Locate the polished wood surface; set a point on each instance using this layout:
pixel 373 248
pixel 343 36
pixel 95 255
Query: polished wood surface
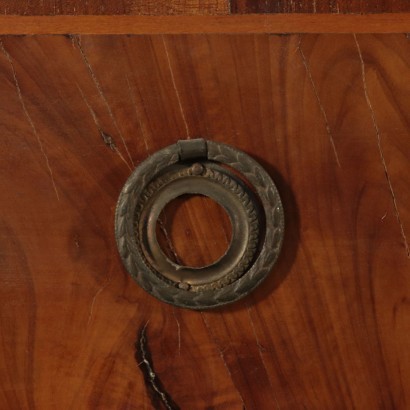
pixel 112 7
pixel 327 115
pixel 190 7
pixel 319 6
pixel 232 24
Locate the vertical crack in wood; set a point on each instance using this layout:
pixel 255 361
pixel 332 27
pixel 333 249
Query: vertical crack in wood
pixel 158 394
pixel 97 85
pixel 221 355
pixel 108 140
pixel 261 349
pixel 179 330
pixel 168 241
pixel 90 315
pixel 322 109
pixel 29 119
pixel 379 146
pixel 175 88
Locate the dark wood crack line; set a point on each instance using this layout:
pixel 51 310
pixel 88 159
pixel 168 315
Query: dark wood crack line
pixel 160 398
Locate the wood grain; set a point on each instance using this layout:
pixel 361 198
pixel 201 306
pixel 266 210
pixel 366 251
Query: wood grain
pixel 191 7
pixel 112 7
pixel 325 114
pixel 233 24
pixel 320 6
pixel 173 225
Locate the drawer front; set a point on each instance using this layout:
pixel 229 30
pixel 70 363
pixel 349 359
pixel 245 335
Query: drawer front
pixel 326 115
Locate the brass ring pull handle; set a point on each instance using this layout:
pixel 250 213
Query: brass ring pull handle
pixel 231 178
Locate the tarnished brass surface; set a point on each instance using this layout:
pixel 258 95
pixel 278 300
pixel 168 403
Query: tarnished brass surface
pixel 238 184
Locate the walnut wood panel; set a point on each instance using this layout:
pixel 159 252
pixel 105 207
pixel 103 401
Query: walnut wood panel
pixel 163 7
pixel 319 6
pixel 326 115
pixel 200 24
pixel 112 7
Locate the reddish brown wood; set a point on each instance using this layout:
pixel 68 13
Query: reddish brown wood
pixel 112 7
pixel 234 24
pixel 163 7
pixel 173 225
pixel 320 6
pixel 326 115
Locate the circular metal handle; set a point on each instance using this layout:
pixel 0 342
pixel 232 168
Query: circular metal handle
pixel 231 178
